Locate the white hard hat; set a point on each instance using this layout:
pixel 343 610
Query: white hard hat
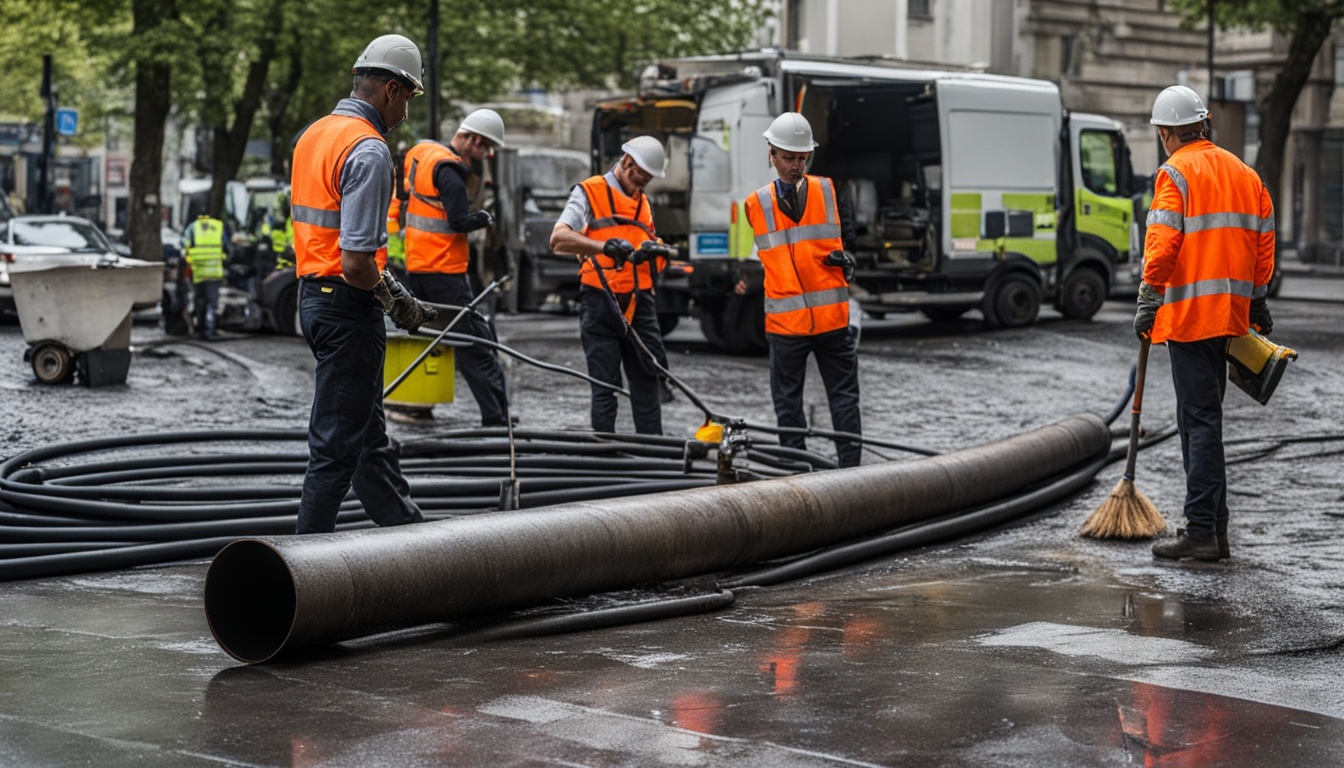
pixel 485 122
pixel 392 54
pixel 647 152
pixel 791 133
pixel 1178 105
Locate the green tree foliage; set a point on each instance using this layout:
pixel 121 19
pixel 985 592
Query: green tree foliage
pixel 1306 24
pixel 254 68
pixel 31 28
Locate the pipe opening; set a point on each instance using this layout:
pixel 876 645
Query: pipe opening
pixel 250 600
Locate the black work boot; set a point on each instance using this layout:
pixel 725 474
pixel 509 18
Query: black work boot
pixel 1224 551
pixel 1184 545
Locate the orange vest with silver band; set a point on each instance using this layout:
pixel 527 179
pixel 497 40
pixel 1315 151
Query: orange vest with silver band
pixel 431 243
pixel 616 215
pixel 1210 244
pixel 315 203
pixel 803 296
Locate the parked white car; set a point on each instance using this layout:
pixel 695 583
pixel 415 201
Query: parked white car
pixel 58 240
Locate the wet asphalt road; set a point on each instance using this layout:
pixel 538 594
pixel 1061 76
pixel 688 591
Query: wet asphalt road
pixel 1024 646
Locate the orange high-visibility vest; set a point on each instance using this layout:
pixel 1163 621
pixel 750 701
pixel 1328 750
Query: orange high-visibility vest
pixel 1210 244
pixel 803 296
pixel 394 216
pixel 617 215
pixel 431 243
pixel 315 204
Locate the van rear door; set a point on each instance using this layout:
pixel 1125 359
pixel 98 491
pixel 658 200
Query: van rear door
pixel 728 162
pixel 1000 154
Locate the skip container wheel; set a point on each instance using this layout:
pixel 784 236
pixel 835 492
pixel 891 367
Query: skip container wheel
pixel 52 363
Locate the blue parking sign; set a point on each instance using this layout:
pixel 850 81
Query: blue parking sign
pixel 67 121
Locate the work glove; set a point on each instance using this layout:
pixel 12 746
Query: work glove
pixel 478 220
pixel 406 311
pixel 619 250
pixel 650 250
pixel 1260 319
pixel 1149 301
pixel 842 260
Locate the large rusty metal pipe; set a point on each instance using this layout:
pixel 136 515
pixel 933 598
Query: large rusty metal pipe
pixel 267 596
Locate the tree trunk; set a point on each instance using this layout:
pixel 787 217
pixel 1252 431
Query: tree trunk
pixel 1276 108
pixel 230 144
pixel 152 103
pixel 277 104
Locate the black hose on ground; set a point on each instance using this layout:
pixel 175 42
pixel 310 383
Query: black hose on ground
pixel 600 618
pixel 146 499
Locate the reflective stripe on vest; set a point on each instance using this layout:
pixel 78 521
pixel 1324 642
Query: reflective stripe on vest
pixel 431 243
pixel 206 252
pixel 617 215
pixel 807 300
pixel 1210 287
pixel 803 296
pixel 319 160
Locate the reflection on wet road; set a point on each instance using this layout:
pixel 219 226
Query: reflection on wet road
pixel 1025 646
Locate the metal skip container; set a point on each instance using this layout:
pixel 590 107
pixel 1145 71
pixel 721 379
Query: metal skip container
pixel 268 596
pixel 77 317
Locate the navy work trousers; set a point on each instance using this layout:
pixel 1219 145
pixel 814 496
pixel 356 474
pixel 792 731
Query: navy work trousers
pixel 608 349
pixel 347 433
pixel 479 365
pixel 838 362
pixel 1199 372
pixel 205 297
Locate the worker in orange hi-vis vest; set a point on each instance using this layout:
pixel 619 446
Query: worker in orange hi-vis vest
pixel 438 255
pixel 342 185
pixel 800 229
pixel 607 224
pixel 1208 259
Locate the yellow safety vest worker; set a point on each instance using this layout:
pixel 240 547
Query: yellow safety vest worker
pixel 206 252
pixel 803 296
pixel 431 244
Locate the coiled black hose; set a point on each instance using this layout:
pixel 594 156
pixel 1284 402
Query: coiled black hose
pixel 154 498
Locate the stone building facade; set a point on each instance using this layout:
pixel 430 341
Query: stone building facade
pixel 1112 57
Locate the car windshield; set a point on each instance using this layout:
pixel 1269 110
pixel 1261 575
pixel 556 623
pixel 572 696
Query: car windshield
pixel 77 235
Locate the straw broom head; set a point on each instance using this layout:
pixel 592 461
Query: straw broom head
pixel 1125 514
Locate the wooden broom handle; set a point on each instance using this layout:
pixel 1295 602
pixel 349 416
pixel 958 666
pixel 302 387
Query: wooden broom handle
pixel 1140 371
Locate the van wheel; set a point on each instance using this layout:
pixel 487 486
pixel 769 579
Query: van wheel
pixel 1014 302
pixel 1082 295
pixel 745 327
pixel 736 324
pixel 668 321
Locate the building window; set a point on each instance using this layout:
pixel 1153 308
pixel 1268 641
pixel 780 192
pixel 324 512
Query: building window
pixel 919 9
pixel 794 21
pixel 1068 50
pixel 1339 66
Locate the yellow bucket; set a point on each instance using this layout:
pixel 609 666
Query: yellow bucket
pixel 432 380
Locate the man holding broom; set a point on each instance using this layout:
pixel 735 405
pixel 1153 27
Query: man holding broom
pixel 1208 258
